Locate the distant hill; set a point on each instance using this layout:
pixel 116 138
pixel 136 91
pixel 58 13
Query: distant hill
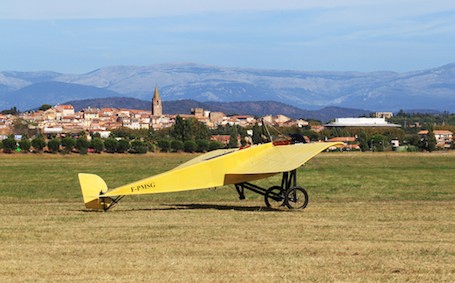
pixel 255 108
pixel 375 91
pixel 39 93
pixel 110 102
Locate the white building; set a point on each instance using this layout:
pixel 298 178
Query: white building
pixel 361 122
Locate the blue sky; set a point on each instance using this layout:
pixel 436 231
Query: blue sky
pixel 78 36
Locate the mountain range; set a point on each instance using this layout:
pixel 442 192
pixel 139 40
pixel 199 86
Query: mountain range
pixel 374 91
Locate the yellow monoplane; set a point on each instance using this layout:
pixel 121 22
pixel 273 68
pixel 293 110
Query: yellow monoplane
pixel 218 168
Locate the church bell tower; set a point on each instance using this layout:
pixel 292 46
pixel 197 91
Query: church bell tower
pixel 157 107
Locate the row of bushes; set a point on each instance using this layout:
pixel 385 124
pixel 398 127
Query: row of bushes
pixel 110 145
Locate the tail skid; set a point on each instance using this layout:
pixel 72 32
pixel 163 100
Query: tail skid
pixel 93 188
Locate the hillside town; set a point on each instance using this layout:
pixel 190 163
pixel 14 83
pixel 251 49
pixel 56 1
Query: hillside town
pixel 63 120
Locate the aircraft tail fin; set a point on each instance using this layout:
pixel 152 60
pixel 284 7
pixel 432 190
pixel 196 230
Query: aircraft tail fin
pixel 93 187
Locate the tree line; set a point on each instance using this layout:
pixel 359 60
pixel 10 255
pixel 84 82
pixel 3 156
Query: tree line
pixel 188 135
pixel 97 145
pixel 191 135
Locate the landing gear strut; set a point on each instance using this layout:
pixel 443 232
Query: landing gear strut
pixel 288 194
pixel 108 202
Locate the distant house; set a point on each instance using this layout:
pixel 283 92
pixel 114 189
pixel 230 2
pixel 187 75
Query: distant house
pixel 386 115
pixel 317 128
pixel 91 113
pixel 198 112
pixel 241 120
pixel 5 132
pixel 284 121
pixel 444 138
pixel 162 122
pixel 6 121
pixel 216 118
pixel 224 139
pixel 53 130
pixel 64 110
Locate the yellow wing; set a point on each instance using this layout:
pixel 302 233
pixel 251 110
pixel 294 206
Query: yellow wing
pixel 207 156
pixel 278 159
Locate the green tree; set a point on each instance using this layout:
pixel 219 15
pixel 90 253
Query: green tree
pixel 97 145
pixel 164 145
pixel 378 142
pixel 25 145
pixel 124 132
pixel 189 129
pixel 312 135
pixel 428 141
pixel 150 146
pixel 233 139
pixel 215 145
pixel 111 145
pixel 45 107
pixel 189 146
pixel 53 145
pixel 82 144
pixel 363 141
pixel 12 111
pixel 138 146
pixel 257 134
pixel 196 129
pixel 123 146
pixel 412 139
pixel 431 140
pixel 176 145
pixel 9 145
pixel 180 130
pixel 202 145
pixel 82 134
pixel 68 144
pixel 95 135
pixel 38 144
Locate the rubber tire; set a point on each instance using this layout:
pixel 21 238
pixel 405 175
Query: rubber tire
pixel 299 193
pixel 272 203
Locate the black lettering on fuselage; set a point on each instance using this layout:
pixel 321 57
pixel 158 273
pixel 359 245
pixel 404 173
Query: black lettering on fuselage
pixel 143 187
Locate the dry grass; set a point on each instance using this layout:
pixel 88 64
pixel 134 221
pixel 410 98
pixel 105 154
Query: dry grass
pixel 204 236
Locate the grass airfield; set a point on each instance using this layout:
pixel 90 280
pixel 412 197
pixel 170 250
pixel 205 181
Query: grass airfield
pixel 387 217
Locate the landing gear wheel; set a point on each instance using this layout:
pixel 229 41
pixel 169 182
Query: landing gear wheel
pixel 296 197
pixel 274 197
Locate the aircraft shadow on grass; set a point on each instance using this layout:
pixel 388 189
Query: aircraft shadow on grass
pixel 197 206
pixel 204 206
